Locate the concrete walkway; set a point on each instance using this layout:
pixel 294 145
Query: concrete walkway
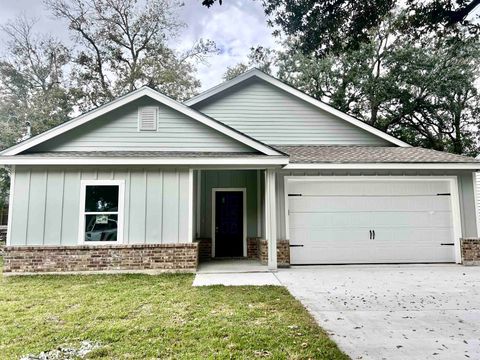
pixel 234 272
pixel 236 279
pixel 393 312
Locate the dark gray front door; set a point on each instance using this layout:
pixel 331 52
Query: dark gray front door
pixel 229 224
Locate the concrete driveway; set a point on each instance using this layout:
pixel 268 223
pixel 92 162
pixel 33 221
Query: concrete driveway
pixel 392 311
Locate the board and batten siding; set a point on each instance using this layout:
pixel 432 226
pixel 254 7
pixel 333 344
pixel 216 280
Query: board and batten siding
pixel 477 198
pixel 118 131
pixel 465 191
pixel 211 179
pixel 46 205
pixel 273 116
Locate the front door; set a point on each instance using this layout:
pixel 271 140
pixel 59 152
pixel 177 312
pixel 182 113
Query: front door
pixel 229 223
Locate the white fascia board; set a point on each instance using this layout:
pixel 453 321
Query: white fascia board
pixel 275 82
pixel 390 166
pixel 195 161
pixel 82 119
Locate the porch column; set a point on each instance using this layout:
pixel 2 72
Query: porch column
pixel 271 218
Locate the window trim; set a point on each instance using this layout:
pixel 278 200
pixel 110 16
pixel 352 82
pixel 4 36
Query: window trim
pixel 120 212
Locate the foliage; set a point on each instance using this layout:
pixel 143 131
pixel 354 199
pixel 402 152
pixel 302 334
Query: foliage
pixel 33 84
pixel 209 3
pixel 423 92
pixel 125 46
pixel 321 27
pixel 4 187
pixel 259 57
pixel 156 317
pixel 33 87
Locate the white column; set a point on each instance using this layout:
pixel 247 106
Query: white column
pixel 271 218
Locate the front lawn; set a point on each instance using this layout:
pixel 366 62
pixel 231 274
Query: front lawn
pixel 141 316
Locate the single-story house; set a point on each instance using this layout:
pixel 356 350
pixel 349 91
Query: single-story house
pixel 249 168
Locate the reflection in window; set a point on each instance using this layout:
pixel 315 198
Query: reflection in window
pixel 101 212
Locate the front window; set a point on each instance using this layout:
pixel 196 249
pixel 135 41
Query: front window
pixel 101 217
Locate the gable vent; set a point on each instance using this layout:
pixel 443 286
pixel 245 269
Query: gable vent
pixel 147 118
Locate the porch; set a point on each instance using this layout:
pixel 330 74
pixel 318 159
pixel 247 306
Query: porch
pixel 235 219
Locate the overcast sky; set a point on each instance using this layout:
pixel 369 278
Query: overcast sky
pixel 235 26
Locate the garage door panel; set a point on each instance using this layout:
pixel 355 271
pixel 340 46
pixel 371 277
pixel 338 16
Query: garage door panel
pixel 366 203
pixel 348 255
pixel 377 187
pixel 411 221
pixel 319 220
pixel 370 220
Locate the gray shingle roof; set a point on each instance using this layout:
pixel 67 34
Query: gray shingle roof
pixel 305 154
pixel 143 154
pixel 364 154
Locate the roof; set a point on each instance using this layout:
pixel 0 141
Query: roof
pixel 144 158
pixel 279 84
pixel 134 95
pixel 146 154
pixel 311 154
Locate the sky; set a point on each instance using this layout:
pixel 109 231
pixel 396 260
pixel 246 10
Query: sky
pixel 235 26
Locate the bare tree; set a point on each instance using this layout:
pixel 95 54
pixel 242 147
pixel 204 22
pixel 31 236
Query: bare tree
pixel 125 45
pixel 33 82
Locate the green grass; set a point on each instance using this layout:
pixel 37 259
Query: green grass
pixel 141 316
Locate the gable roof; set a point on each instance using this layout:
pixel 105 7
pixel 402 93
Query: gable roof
pixel 134 95
pixel 297 93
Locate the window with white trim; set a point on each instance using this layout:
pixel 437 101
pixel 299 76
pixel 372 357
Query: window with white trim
pixel 101 211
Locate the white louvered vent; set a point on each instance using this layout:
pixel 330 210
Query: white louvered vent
pixel 147 118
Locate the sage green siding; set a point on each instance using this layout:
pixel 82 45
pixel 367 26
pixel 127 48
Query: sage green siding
pixel 211 179
pixel 46 204
pixel 465 191
pixel 118 131
pixel 273 116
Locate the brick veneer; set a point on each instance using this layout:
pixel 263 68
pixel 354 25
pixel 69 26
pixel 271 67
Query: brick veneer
pixel 252 247
pixel 257 248
pixel 3 235
pixel 283 252
pixel 470 248
pixel 204 249
pixel 141 257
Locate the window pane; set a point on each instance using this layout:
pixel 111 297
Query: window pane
pixel 101 227
pixel 101 198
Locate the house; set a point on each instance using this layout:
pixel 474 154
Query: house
pixel 249 168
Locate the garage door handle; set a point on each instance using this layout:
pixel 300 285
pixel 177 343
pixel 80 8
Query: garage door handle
pixel 370 234
pixel 373 234
pixel 296 245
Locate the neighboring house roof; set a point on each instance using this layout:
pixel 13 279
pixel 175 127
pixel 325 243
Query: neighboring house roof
pixel 134 95
pixel 279 84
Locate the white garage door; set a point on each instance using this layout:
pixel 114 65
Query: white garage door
pixel 374 221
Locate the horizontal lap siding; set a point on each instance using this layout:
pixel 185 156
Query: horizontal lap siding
pixel 47 203
pixel 118 131
pixel 271 115
pixel 465 190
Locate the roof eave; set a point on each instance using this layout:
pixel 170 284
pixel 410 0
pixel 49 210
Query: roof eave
pixel 170 161
pixel 386 166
